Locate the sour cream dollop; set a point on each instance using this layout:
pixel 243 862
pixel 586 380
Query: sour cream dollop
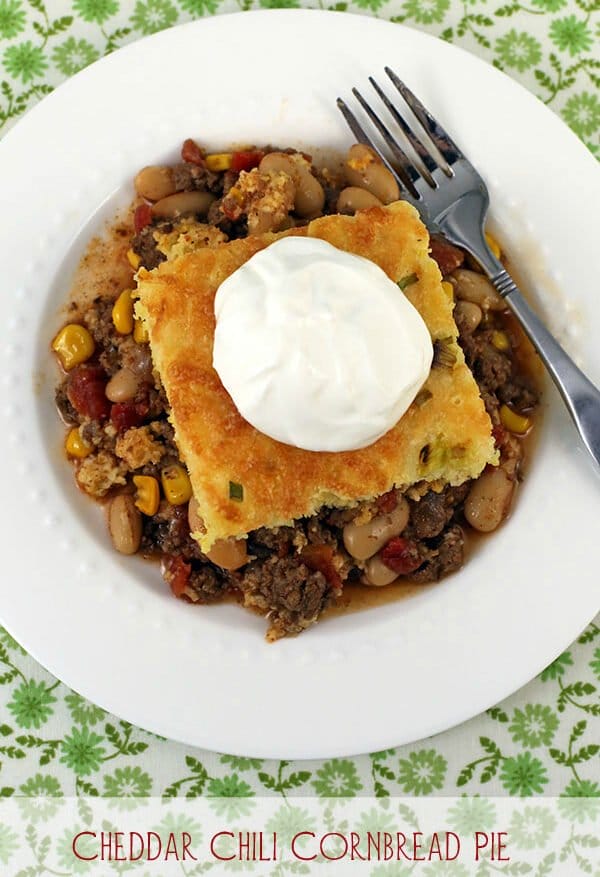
pixel 317 347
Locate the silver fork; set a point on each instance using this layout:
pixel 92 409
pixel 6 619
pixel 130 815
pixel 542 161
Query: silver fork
pixel 452 198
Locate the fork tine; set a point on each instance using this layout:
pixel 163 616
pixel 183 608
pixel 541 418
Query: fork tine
pixel 353 123
pixel 363 137
pixel 407 170
pixel 429 163
pixel 442 140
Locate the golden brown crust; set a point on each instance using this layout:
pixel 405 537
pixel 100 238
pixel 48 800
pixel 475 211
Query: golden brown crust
pixel 137 447
pixel 446 437
pixel 187 236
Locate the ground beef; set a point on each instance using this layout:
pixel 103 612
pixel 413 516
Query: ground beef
pixel 136 357
pixel 430 515
pixel 279 540
pixel 518 393
pixel 318 533
pixel 65 409
pixel 495 371
pixel 144 246
pixel 206 584
pixel 233 230
pixel 99 322
pixel 168 531
pixel 187 177
pixel 163 430
pixel 216 217
pixel 341 517
pixel 447 557
pixel 156 398
pixel 101 436
pixel 285 588
pixel 491 367
pixel 229 179
pixel 492 406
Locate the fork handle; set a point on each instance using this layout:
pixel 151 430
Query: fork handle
pixel 581 397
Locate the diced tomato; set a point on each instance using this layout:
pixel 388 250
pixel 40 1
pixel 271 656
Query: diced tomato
pixel 320 559
pixel 190 151
pixel 124 415
pixel 401 555
pixel 86 387
pixel 246 160
pixel 176 573
pixel 446 255
pixel 142 217
pixel 387 502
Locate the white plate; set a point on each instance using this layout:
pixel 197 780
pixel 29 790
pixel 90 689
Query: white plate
pixel 105 624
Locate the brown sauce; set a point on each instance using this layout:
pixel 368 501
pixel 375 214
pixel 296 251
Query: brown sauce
pixel 357 598
pixel 103 268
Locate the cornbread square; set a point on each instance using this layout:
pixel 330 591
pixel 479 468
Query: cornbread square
pixel 445 436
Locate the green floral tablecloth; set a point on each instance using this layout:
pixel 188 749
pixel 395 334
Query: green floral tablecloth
pixel 542 741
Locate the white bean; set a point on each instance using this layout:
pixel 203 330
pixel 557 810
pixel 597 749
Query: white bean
pixel 364 168
pixel 261 222
pixel 354 198
pixel 488 501
pixel 378 574
pixel 309 197
pixel 181 203
pixel 124 524
pixel 468 315
pixel 474 287
pixel 154 182
pixel 278 161
pixel 228 553
pixel 364 540
pixel 123 386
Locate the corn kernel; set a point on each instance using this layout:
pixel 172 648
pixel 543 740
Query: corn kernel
pixel 513 422
pixel 236 194
pixel 493 245
pixel 122 313
pixel 133 259
pixel 448 289
pixel 140 333
pixel 73 345
pixel 500 341
pixel 147 496
pixel 219 161
pixel 76 446
pixel 176 485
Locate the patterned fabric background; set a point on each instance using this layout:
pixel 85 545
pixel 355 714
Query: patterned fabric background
pixel 550 46
pixel 545 740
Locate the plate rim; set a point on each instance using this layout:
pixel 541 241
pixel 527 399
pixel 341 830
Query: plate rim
pixel 311 750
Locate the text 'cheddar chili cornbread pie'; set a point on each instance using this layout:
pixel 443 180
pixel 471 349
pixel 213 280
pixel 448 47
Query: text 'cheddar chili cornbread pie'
pixel 323 280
